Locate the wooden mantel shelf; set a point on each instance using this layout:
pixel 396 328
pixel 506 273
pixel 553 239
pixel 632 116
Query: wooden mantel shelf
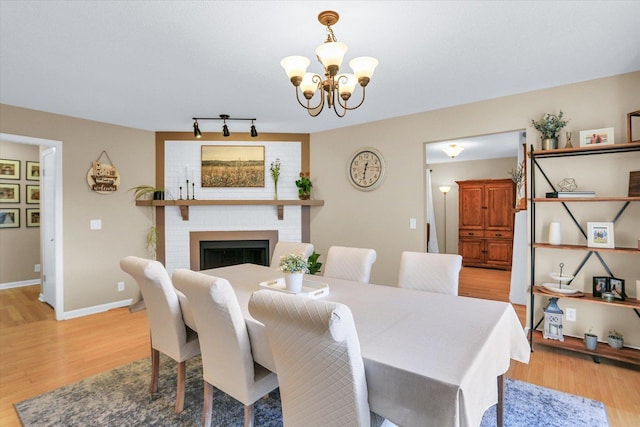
pixel 184 204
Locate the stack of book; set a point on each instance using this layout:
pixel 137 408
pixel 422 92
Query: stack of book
pixel 567 194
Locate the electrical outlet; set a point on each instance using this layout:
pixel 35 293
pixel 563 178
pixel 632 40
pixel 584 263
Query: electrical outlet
pixel 120 286
pixel 571 314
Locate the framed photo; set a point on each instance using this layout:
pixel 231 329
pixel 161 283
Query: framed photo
pixel 616 287
pixel 593 137
pixel 33 194
pixel 9 193
pixel 600 235
pixel 33 171
pixel 9 169
pixel 600 285
pixel 33 217
pixel 10 218
pixel 232 166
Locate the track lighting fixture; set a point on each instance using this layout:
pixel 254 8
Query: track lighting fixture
pixel 225 128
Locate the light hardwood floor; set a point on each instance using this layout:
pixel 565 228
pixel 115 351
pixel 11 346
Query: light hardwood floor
pixel 38 354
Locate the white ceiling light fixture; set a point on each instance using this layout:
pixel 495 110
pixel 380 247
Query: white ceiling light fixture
pixel 453 150
pixel 337 88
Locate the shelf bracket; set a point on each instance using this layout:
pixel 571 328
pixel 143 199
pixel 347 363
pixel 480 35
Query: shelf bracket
pixel 280 212
pixel 184 212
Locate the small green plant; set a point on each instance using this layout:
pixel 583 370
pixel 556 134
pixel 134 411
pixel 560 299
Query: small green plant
pixel 550 125
pixel 590 332
pixel 142 192
pixel 275 174
pixel 314 265
pixel 294 263
pixel 304 186
pixel 615 335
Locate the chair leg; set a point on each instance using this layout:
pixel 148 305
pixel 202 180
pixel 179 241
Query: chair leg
pixel 248 415
pixel 180 390
pixel 207 404
pixel 155 370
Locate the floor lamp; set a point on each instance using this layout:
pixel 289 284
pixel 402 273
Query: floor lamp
pixel 445 189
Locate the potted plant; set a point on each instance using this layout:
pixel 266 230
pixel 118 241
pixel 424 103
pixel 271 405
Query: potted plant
pixel 550 126
pixel 304 186
pixel 517 176
pixel 314 265
pixel 615 339
pixel 147 192
pixel 590 340
pixel 275 174
pixel 294 266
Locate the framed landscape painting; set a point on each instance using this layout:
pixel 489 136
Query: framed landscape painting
pixel 232 166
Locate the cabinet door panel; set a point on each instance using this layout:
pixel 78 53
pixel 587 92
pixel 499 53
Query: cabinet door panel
pixel 471 250
pixel 499 201
pixel 470 203
pixel 499 252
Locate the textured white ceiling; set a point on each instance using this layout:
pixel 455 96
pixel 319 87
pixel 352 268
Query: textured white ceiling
pixel 155 64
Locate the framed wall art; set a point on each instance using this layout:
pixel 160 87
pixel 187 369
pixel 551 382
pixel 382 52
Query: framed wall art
pixel 10 218
pixel 9 169
pixel 232 166
pixel 33 194
pixel 600 235
pixel 33 171
pixel 9 193
pixel 33 217
pixel 593 137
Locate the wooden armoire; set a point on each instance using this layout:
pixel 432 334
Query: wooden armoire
pixel 485 222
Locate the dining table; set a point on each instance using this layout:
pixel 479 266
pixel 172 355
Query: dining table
pixel 430 359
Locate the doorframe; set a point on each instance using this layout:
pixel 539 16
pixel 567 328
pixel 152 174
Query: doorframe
pixel 59 265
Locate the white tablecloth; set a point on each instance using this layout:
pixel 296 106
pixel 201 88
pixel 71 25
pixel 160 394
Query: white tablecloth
pixel 430 359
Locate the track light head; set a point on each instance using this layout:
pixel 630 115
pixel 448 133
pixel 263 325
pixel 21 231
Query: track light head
pixel 225 130
pixel 254 132
pixel 196 130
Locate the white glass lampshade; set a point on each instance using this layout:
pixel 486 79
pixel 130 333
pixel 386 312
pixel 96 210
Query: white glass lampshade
pixel 445 188
pixel 346 84
pixel 453 150
pixel 331 53
pixel 308 84
pixel 295 66
pixel 363 66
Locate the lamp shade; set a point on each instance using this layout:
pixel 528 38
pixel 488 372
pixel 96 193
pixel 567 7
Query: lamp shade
pixel 363 66
pixel 445 188
pixel 453 150
pixel 331 53
pixel 346 84
pixel 309 83
pixel 295 66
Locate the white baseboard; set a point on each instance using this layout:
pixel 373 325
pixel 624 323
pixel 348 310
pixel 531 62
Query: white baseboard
pixel 20 284
pixel 87 311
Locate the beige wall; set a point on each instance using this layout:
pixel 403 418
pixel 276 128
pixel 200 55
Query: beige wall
pixel 380 219
pixel 19 247
pixel 91 258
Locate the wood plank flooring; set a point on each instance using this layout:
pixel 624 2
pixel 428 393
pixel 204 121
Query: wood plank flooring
pixel 38 354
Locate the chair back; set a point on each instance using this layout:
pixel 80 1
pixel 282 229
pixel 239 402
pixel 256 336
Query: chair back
pixel 169 333
pixel 286 248
pixel 349 263
pixel 227 362
pixel 317 355
pixel 430 272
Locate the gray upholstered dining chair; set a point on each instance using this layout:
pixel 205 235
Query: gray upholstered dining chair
pixel 430 272
pixel 227 361
pixel 285 248
pixel 169 333
pixel 349 263
pixel 320 369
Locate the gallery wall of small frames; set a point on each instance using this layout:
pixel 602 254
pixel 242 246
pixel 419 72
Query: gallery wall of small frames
pixel 11 196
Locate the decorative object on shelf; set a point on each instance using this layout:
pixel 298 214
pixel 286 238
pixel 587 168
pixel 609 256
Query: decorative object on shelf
pixel 555 233
pixel 304 186
pixel 231 166
pixel 294 266
pixel 9 193
pixel 615 339
pixel 553 321
pixel 600 285
pixel 590 340
pixel 550 126
pixel 336 88
pixel 568 144
pixel 616 287
pixel 33 217
pixel 560 278
pixel 33 171
pixel 593 137
pixel 600 235
pixel 453 150
pixel 225 129
pixel 10 218
pixel 366 169
pixel 103 178
pixel 9 169
pixel 634 184
pixel 633 126
pixel 147 192
pixel 517 176
pixel 568 185
pixel 275 174
pixel 608 296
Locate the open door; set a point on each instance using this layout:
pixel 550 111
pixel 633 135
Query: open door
pixel 47 225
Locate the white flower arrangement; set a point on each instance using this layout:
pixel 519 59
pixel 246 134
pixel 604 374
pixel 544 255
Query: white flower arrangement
pixel 294 263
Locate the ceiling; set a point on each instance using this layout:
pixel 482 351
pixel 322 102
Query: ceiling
pixel 493 146
pixel 154 65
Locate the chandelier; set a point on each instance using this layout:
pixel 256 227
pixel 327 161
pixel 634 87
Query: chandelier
pixel 335 89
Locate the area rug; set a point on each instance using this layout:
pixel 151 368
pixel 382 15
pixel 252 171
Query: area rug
pixel 120 397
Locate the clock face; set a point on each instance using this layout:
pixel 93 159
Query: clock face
pixel 366 169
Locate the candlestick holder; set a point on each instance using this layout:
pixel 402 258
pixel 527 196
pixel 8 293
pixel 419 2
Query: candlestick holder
pixel 187 189
pixel 193 191
pixel 180 193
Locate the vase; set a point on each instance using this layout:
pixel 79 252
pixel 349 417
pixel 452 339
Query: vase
pixel 615 342
pixel 590 341
pixel 293 281
pixel 304 196
pixel 555 233
pixel 275 196
pixel 549 143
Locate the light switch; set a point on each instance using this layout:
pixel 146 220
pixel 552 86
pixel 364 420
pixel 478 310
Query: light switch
pixel 96 224
pixel 412 223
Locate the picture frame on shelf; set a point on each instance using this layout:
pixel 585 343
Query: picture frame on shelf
pixel 10 218
pixel 9 193
pixel 33 194
pixel 232 166
pixel 600 285
pixel 32 171
pixel 600 235
pixel 9 169
pixel 33 217
pixel 616 287
pixel 594 137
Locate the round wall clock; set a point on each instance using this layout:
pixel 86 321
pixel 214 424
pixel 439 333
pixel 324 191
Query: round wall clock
pixel 366 169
